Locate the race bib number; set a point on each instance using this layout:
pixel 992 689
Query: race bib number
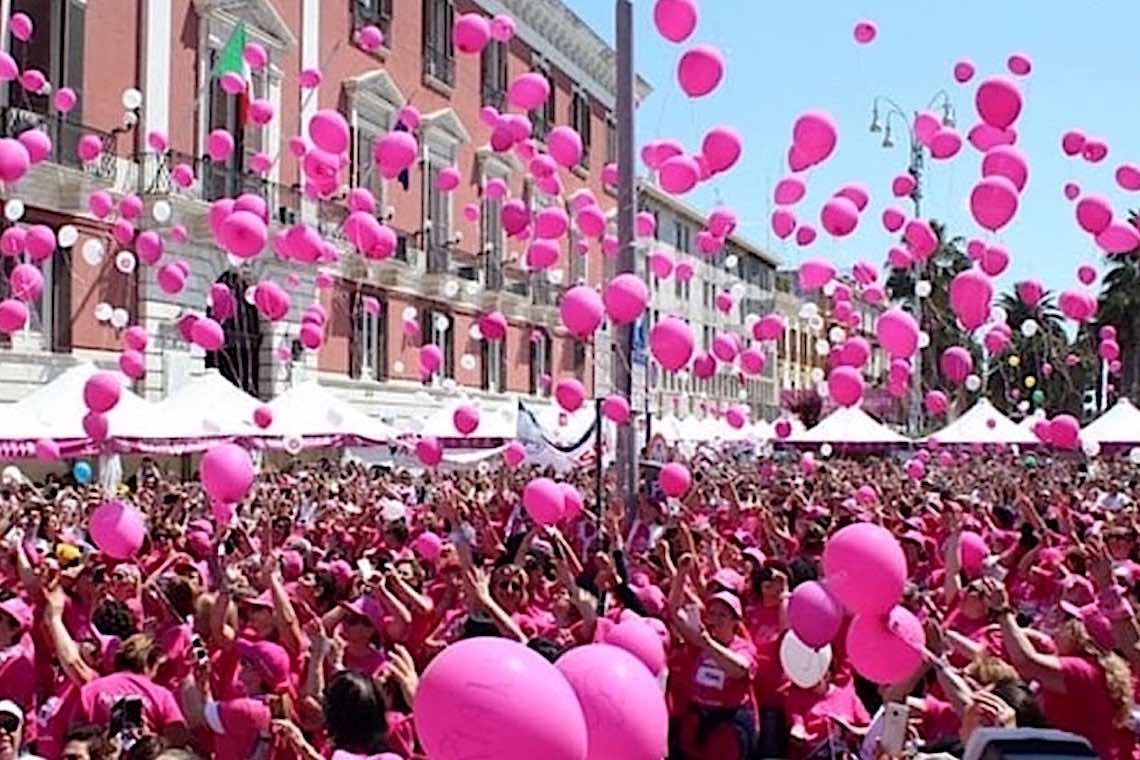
pixel 710 676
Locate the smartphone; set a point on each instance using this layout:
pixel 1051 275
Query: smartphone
pixel 126 716
pixel 199 649
pixel 895 718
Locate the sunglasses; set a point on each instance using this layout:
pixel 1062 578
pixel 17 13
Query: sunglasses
pixel 9 723
pixel 509 585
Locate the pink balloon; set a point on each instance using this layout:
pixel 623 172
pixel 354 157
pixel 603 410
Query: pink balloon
pixel 805 235
pixel 865 32
pixel 675 19
pixel 638 636
pixel 899 258
pixel 465 418
pixel 96 426
pixel 514 454
pixel 993 202
pixel 814 615
pixel 815 273
pixel 700 70
pixel 994 260
pixel 431 358
pixel 1109 350
pixel 1008 162
pixel 897 332
pixel 886 649
pixel 856 193
pixel 865 568
pixel 271 300
pixel 789 191
pixel 926 124
pixel 1118 237
pixel 814 136
pixel 14 160
pixel 752 362
pixel 1073 142
pixel 226 472
pixel 1078 306
pixel 503 28
pixel 582 310
pixel 1095 150
pixel 118 529
pixel 1128 177
pixel 902 185
pixel 893 219
pixel 985 137
pixel 963 71
pixel 1030 292
pixel 955 363
pixel 679 174
pixel 37 143
pixel 471 33
pixel 543 500
pixel 616 408
pixel 101 392
pixel 1086 273
pixel 1019 64
pixel 26 282
pixel 395 152
pixel 839 216
pixel 1072 190
pixel 207 334
pixel 945 143
pixel 528 91
pixel 721 147
pixel 21 26
pixel 135 338
pixel 769 327
pixel 429 451
pixel 674 479
pixel 920 239
pixel 722 222
pixel 495 683
pixel 565 146
pixel 219 144
pixel 783 223
pixel 625 298
pixel 1065 432
pixel 370 38
pixel 845 385
pixel 936 403
pixel 243 234
pixel 569 393
pixel 671 343
pixel 998 101
pixel 971 293
pixel 1094 214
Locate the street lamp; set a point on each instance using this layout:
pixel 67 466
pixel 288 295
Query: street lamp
pixel 883 105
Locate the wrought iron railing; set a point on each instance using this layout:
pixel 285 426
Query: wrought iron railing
pixel 65 136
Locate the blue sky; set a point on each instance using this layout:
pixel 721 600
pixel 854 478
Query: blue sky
pixel 787 58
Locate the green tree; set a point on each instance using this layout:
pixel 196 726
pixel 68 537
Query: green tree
pixel 1119 306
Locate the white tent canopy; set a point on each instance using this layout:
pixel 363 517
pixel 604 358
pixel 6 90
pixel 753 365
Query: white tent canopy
pixel 212 406
pixel 983 423
pixel 1120 424
pixel 849 425
pixel 310 410
pixel 492 424
pixel 668 427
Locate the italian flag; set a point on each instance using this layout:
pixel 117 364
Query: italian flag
pixel 232 60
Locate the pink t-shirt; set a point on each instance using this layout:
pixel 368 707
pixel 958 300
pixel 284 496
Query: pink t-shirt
pixel 18 674
pixel 706 683
pixel 160 708
pixel 238 726
pixel 368 664
pixel 1085 709
pixel 812 710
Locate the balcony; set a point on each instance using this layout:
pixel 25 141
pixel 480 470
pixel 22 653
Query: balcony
pixel 65 136
pixel 214 181
pixel 546 293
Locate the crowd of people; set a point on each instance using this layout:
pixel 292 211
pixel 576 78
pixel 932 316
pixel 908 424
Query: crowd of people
pixel 301 629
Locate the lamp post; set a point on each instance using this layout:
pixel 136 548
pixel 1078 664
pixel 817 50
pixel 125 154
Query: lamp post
pixel 884 113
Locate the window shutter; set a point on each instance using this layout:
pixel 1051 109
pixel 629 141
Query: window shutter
pixel 380 370
pixel 356 337
pixel 61 301
pixel 74 40
pixel 447 45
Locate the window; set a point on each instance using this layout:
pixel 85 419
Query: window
pixel 577 261
pixel 57 49
pixel 439 326
pixel 706 295
pixel 543 117
pixel 578 368
pixel 494 63
pixel 681 289
pixel 364 172
pixel 494 366
pixel 375 12
pixel 491 227
pixel 541 362
pixel 611 139
pixel 580 121
pixel 438 220
pixel 228 179
pixel 439 51
pixel 682 237
pixel 368 345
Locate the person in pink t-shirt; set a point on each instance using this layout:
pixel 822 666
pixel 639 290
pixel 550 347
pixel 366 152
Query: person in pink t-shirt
pixel 17 656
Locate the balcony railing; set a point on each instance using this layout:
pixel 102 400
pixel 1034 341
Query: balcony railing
pixel 65 136
pixel 216 180
pixel 546 293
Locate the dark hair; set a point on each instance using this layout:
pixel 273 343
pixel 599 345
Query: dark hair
pixel 113 618
pixel 1024 702
pixel 84 733
pixel 355 714
pixel 181 596
pixel 148 747
pixel 547 648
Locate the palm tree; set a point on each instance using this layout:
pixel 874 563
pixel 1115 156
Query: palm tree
pixel 1120 307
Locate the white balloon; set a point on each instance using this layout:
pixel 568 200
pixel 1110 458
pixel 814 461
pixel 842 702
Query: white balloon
pixel 923 339
pixel 132 99
pixel 125 262
pixel 451 288
pixel 829 288
pixel 398 366
pixel 475 331
pixel 554 276
pixel 1090 447
pixel 409 313
pixel 103 311
pixel 293 444
pixel 815 323
pixel 804 666
pixel 998 315
pixel 742 394
pixel 67 236
pixel 822 347
pixel 750 321
pixel 161 212
pixel 809 310
pixel 730 261
pixel 1023 406
pixel 825 450
pixel 1029 328
pixel 737 291
pixel 92 251
pixel 467 362
pixel 120 318
pixel 335 418
pixel 14 210
pixel 250 294
pixel 449 385
pixel 817 375
pixel 471 288
pixel 973 383
pixel 836 334
pixel 1134 455
pixel 442 322
pixel 922 288
pixel 822 389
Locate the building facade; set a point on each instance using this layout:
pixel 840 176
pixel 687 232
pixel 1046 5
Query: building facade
pixel 739 269
pixel 450 264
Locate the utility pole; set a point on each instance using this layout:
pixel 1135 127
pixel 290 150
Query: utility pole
pixel 626 454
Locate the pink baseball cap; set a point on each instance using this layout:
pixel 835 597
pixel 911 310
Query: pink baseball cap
pixel 366 607
pixel 731 599
pixel 271 661
pixel 1098 626
pixel 19 610
pixel 729 579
